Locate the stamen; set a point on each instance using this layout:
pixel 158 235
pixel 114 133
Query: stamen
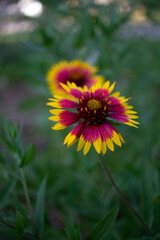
pixel 93 109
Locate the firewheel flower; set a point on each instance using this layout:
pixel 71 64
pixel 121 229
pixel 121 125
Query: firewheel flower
pixel 78 72
pixel 95 112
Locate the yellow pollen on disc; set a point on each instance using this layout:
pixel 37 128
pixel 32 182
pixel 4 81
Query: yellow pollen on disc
pixel 94 104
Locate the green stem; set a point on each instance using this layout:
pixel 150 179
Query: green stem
pixel 124 198
pixel 25 188
pixel 26 193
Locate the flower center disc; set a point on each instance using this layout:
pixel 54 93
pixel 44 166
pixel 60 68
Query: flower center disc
pixel 77 76
pixel 94 104
pixel 93 110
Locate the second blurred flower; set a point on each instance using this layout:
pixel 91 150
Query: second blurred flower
pixel 78 72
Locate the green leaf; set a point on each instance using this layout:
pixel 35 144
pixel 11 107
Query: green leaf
pixel 72 232
pixel 21 221
pixel 11 130
pixel 28 156
pixel 13 137
pixel 39 211
pixel 9 144
pixel 104 226
pixel 19 225
pixel 26 220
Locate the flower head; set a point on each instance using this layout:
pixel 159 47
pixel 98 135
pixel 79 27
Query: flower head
pixel 94 111
pixel 78 72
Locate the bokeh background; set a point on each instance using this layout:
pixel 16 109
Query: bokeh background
pixel 122 38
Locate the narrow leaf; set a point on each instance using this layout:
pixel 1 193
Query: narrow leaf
pixel 72 232
pixel 19 225
pixel 39 211
pixel 8 143
pixel 104 226
pixel 11 130
pixel 25 218
pixel 28 155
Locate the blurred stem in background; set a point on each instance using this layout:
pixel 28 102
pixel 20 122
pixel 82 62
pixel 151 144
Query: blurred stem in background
pixel 23 179
pixel 26 193
pixel 124 198
pixel 23 157
pixel 21 160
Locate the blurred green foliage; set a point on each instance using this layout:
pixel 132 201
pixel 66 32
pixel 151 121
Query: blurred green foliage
pixel 76 184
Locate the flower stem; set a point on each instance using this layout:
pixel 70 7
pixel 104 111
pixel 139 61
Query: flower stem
pixel 124 198
pixel 26 193
pixel 23 179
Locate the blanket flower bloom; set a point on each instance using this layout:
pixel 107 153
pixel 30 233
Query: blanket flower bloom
pixel 78 72
pixel 94 111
